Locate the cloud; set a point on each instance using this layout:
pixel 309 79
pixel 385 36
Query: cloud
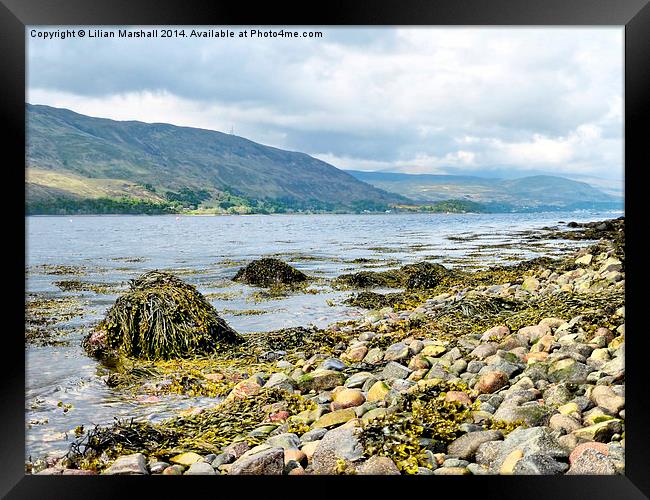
pixel 405 99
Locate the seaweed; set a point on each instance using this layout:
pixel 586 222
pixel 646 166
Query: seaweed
pixel 161 317
pixel 270 272
pixel 205 432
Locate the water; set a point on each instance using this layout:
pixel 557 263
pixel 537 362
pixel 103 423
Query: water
pixel 207 251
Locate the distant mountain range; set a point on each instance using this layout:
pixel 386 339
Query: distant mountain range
pixel 80 164
pixel 532 192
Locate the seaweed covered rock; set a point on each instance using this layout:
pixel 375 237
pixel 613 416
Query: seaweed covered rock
pixel 419 276
pixel 160 317
pixel 269 272
pixel 424 275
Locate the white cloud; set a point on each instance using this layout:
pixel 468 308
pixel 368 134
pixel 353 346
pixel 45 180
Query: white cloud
pixel 409 99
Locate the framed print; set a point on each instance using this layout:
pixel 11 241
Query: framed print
pixel 369 240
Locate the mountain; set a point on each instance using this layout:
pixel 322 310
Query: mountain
pixel 75 160
pixel 532 192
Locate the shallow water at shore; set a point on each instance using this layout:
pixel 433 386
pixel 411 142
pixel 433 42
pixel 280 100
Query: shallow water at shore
pixel 207 251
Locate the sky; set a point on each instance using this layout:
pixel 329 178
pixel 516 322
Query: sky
pixel 475 101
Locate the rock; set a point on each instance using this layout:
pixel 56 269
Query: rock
pixel 237 449
pixel 533 414
pixel 309 449
pixel 564 423
pixel 78 472
pixel 475 366
pixel 394 370
pixel 568 370
pixel 298 456
pixel 378 391
pixel 348 398
pixel 173 470
pixel 335 418
pixel 557 394
pixel 459 396
pixel 280 381
pixel 581 448
pixel 223 458
pixel 333 364
pixel 374 356
pixel 433 350
pixel 313 435
pixel 336 444
pixel 355 354
pixel 419 362
pixel 491 382
pixel 378 466
pixel 606 398
pixel 478 470
pixel 529 441
pixel 538 464
pixel 158 467
pixel 357 380
pixel 200 469
pixel 615 367
pixel 585 260
pixel 451 471
pixel 530 284
pixel 465 446
pixel 484 350
pixel 532 334
pixel 396 352
pixel 269 461
pixel 591 461
pixel 320 380
pixel 510 462
pixel 286 441
pixel 496 332
pixel 134 464
pixel 601 432
pixel 375 413
pixel 244 389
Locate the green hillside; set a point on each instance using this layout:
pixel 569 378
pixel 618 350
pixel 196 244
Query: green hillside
pixel 73 158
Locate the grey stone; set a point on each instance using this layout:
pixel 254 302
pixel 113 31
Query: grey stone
pixel 538 464
pixel 475 366
pixel 478 470
pixel 356 381
pixel 333 364
pixel 395 370
pixel 396 352
pixel 158 467
pixel 287 441
pixel 223 458
pixel 280 381
pixel 265 462
pixel 533 414
pixel 465 446
pixel 200 469
pixel 455 462
pixel 531 441
pixel 337 444
pixel 134 464
pixel 557 394
pixel 313 435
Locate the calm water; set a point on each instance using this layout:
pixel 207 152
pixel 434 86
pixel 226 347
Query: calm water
pixel 207 251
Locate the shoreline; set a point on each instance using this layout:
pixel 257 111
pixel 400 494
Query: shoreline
pixel 501 370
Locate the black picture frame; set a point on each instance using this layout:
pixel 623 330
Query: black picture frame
pixel 633 14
